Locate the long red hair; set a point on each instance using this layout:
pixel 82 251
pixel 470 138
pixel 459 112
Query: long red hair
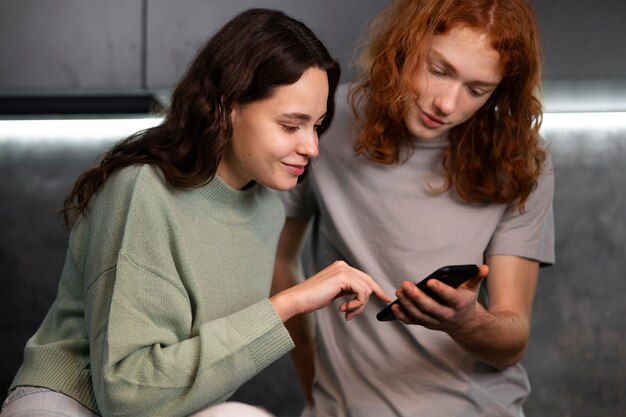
pixel 495 156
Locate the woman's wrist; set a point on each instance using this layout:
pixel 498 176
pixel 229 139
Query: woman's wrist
pixel 282 306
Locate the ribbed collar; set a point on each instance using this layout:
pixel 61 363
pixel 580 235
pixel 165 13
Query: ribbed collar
pixel 230 204
pixel 438 142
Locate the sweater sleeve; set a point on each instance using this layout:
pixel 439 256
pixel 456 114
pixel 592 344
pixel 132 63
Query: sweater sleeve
pixel 143 364
pixel 150 355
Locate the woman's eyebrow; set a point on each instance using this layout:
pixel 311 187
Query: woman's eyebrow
pixel 299 116
pixel 296 116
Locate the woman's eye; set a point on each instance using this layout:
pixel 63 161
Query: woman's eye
pixel 289 128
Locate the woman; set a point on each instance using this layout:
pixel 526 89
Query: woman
pixel 442 165
pixel 162 306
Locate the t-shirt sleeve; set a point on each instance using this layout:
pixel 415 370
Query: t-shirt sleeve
pixel 529 234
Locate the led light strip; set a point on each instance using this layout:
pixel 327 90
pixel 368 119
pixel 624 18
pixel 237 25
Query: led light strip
pixel 596 121
pixel 73 130
pixel 83 130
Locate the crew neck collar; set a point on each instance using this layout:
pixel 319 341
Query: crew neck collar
pixel 440 141
pixel 228 202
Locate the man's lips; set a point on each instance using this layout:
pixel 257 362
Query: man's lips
pixel 430 121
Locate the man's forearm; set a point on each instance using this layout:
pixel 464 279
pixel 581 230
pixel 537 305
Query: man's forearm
pixel 498 339
pixel 301 330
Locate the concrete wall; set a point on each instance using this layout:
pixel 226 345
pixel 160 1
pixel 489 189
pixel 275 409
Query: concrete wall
pixel 120 45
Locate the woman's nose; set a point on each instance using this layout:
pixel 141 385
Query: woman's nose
pixel 309 145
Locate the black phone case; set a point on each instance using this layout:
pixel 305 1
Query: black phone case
pixel 452 275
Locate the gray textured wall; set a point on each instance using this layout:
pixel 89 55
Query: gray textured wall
pixel 174 33
pixel 83 45
pixel 583 39
pixel 70 45
pixel 577 356
pixel 121 45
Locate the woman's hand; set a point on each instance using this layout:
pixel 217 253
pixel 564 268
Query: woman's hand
pixel 335 281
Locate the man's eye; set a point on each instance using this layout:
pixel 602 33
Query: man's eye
pixel 437 72
pixel 477 93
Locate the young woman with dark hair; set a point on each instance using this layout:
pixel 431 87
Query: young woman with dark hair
pixel 162 305
pixel 437 161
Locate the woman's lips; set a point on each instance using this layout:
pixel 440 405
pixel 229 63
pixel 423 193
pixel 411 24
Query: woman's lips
pixel 296 170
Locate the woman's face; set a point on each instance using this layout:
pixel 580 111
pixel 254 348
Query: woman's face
pixel 461 71
pixel 273 139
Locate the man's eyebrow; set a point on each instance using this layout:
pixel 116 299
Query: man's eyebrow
pixel 451 69
pixel 444 62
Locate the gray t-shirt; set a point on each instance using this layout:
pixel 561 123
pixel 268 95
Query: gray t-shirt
pixel 386 221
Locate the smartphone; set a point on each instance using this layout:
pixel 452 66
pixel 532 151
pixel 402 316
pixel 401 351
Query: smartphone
pixel 452 275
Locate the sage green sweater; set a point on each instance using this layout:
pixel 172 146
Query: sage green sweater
pixel 161 307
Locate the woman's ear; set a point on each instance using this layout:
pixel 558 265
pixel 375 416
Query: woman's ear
pixel 233 113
